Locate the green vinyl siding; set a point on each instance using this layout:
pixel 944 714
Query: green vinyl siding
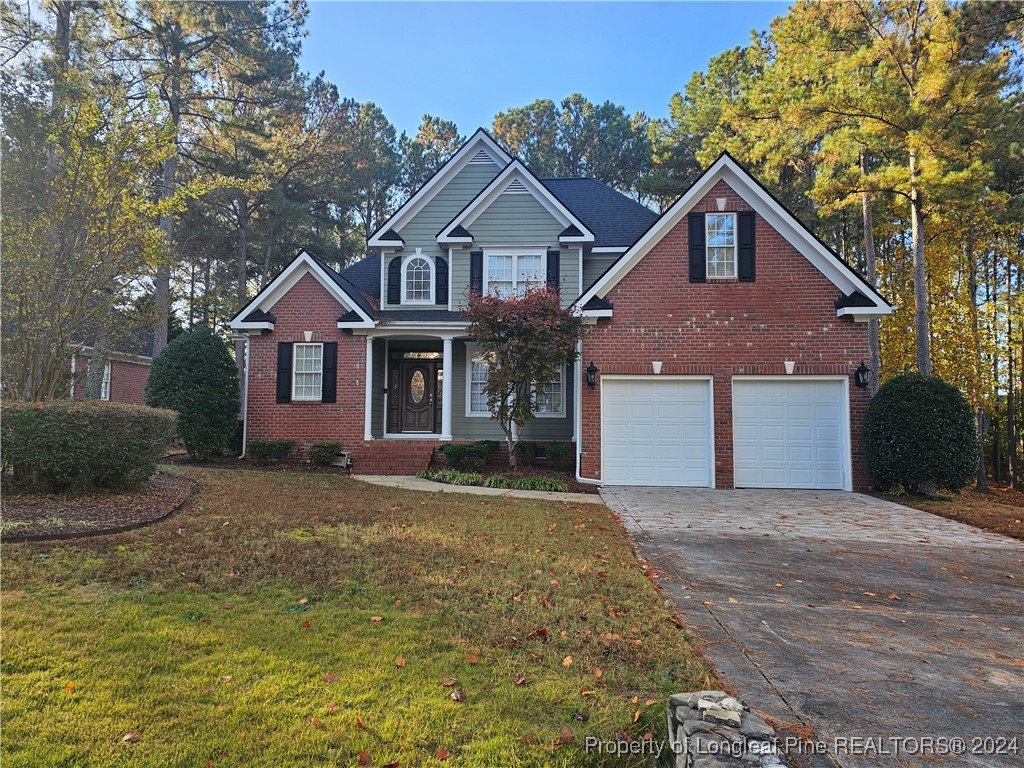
pixel 517 219
pixel 485 428
pixel 421 231
pixel 595 265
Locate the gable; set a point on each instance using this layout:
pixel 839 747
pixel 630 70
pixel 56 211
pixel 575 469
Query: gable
pixel 725 171
pixel 516 219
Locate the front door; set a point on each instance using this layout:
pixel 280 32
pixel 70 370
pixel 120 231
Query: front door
pixel 418 395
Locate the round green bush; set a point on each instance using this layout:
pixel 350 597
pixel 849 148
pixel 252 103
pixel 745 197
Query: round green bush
pixel 71 445
pixel 324 452
pixel 919 432
pixel 195 376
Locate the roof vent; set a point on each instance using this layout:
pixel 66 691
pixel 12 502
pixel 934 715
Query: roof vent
pixel 516 188
pixel 481 158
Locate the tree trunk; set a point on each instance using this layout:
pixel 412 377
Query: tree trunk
pixel 921 330
pixel 241 275
pixel 162 278
pixel 1011 419
pixel 972 287
pixel 871 265
pixel 267 253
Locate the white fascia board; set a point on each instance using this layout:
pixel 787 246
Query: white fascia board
pixel 726 169
pixel 301 265
pixel 490 193
pixel 862 314
pixel 445 328
pixel 609 249
pixel 446 241
pixel 479 140
pixel 596 313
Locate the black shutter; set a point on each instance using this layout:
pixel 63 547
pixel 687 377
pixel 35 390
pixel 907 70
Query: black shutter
pixel 329 387
pixel 698 254
pixel 476 272
pixel 745 241
pixel 395 281
pixel 284 372
pixel 440 281
pixel 554 270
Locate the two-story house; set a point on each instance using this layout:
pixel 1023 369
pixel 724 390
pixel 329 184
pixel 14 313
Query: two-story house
pixel 723 305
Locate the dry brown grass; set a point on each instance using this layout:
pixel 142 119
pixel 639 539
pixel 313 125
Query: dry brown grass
pixel 1001 511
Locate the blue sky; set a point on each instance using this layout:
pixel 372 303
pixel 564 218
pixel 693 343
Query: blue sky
pixel 465 61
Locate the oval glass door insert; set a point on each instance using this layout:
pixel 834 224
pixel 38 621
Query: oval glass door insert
pixel 417 387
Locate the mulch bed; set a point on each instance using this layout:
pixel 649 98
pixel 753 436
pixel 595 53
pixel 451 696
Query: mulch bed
pixel 38 517
pixel 566 477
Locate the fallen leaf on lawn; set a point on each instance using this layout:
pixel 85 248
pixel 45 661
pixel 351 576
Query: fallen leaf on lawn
pixel 636 715
pixel 399 662
pixel 650 703
pixel 778 584
pixel 554 583
pixel 521 680
pixel 567 661
pixel 376 618
pixel 130 738
pixel 448 682
pixel 390 765
pixel 733 600
pixel 472 659
pixel 359 722
pixel 894 596
pixel 333 677
pixel 459 695
pixel 228 606
pixel 870 594
pixel 225 678
pixel 398 602
pixel 303 601
pixel 634 700
pixel 442 754
pixel 332 707
pixel 598 672
pixel 363 759
pixel 314 721
pixel 306 624
pixel 208 764
pixel 69 686
pixel 564 737
pixel 585 692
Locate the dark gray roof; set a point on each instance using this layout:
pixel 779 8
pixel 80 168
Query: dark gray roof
pixel 350 288
pixel 259 316
pixel 615 220
pixel 365 275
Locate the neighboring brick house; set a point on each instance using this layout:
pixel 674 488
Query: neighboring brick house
pixel 125 372
pixel 721 338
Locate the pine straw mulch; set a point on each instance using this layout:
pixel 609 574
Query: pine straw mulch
pixel 37 517
pixel 1001 511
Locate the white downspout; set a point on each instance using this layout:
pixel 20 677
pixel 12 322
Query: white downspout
pixel 245 399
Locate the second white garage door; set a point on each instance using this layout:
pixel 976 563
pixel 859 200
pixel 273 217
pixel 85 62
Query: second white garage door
pixel 656 431
pixel 790 433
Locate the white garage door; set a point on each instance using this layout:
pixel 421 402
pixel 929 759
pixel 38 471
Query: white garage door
pixel 656 431
pixel 790 433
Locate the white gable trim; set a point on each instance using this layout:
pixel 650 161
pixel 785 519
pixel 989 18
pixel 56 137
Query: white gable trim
pixel 301 265
pixel 516 172
pixel 479 141
pixel 728 170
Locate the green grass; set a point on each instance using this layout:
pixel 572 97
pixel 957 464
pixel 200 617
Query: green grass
pixel 138 632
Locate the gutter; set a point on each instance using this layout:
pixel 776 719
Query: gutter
pixel 245 399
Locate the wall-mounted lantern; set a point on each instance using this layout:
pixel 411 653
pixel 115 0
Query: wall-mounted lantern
pixel 592 375
pixel 860 376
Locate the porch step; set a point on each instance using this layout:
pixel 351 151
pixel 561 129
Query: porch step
pixel 393 457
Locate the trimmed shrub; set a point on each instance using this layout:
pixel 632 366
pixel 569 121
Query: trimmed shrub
pixel 451 476
pixel 70 445
pixel 540 484
pixel 263 451
pixel 486 448
pixel 919 432
pixel 195 376
pixel 464 457
pixel 497 481
pixel 324 452
pixel 555 452
pixel 526 452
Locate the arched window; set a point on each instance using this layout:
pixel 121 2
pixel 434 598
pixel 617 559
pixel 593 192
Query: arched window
pixel 417 280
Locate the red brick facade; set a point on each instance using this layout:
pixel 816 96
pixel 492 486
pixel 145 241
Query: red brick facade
pixel 724 328
pixel 127 380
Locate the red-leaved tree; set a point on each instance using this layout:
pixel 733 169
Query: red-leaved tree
pixel 526 339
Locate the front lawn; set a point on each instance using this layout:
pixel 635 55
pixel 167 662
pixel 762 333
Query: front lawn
pixel 297 619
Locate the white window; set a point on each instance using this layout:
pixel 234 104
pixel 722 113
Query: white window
pixel 105 383
pixel 512 273
pixel 721 240
pixel 417 280
pixel 550 396
pixel 307 372
pixel 476 380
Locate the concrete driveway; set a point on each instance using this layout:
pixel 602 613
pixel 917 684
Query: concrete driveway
pixel 862 618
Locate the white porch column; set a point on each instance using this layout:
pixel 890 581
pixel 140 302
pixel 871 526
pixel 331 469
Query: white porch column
pixel 448 366
pixel 368 405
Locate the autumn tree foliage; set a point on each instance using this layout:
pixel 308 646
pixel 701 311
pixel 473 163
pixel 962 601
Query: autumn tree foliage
pixel 527 339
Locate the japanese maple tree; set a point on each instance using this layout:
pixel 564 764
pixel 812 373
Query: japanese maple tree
pixel 527 338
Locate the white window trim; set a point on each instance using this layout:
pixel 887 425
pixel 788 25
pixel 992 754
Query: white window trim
pixel 735 246
pixel 295 350
pixel 433 267
pixel 105 382
pixel 515 253
pixel 473 350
